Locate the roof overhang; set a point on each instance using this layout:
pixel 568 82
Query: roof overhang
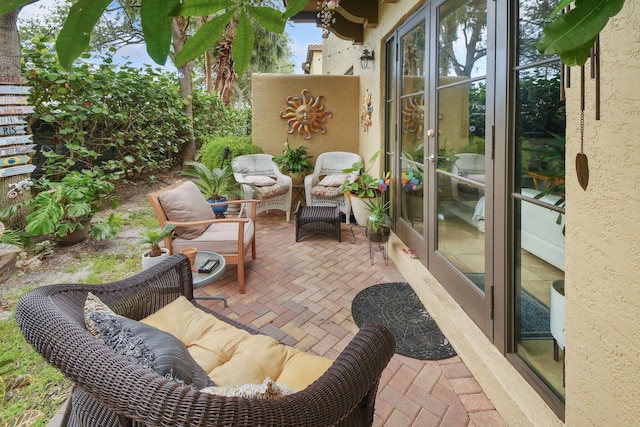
pixel 351 18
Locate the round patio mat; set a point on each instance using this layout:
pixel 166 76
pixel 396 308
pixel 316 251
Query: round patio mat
pixel 396 306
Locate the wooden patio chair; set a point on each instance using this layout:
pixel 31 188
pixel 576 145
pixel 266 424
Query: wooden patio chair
pixel 182 205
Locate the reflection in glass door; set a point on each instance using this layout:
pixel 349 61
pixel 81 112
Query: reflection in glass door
pixel 410 225
pixel 463 172
pixel 538 200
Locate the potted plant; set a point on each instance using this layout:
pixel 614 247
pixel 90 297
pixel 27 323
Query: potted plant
pixel 65 208
pixel 154 254
pixel 361 186
pixel 294 161
pixel 215 184
pixel 378 221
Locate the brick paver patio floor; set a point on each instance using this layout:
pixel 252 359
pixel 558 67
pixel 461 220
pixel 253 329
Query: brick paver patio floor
pixel 301 293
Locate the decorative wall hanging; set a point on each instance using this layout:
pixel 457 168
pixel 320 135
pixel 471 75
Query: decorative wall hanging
pixel 325 15
pixel 413 116
pixel 15 188
pixel 367 110
pixel 305 114
pixel 16 143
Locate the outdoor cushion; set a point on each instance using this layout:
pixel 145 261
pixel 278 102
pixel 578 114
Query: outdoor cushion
pixel 220 237
pixel 94 304
pixel 233 356
pixel 151 348
pixel 185 203
pixel 273 190
pixel 322 191
pixel 259 180
pixel 267 390
pixel 334 180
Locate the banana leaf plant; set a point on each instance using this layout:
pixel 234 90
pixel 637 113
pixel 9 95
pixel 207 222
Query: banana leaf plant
pixel 571 35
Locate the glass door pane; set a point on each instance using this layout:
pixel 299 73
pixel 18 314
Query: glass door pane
pixel 412 136
pixel 460 139
pixel 539 307
pixel 463 174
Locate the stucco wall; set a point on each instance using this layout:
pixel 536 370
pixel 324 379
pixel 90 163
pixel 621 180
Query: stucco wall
pixel 340 97
pixel 603 237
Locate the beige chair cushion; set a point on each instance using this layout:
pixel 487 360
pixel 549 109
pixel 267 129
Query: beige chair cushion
pixel 221 238
pixel 185 203
pixel 233 356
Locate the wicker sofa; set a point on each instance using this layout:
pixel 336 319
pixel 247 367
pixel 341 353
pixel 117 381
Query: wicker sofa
pixel 111 390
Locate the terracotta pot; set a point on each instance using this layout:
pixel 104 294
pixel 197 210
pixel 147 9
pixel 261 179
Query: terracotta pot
pixel 76 236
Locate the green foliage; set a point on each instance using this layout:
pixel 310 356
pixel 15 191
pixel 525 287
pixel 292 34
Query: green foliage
pixel 155 20
pixel 294 160
pixel 378 209
pixel 211 117
pixel 9 387
pixel 571 35
pixel 61 207
pixel 153 237
pixel 239 11
pixel 124 119
pixel 109 228
pixel 212 182
pixel 48 388
pixel 363 184
pixel 16 238
pixel 73 38
pixel 211 151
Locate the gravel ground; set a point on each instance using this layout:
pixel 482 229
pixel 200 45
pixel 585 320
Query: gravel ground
pixel 65 265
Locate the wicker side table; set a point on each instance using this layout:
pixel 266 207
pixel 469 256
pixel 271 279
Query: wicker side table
pixel 317 219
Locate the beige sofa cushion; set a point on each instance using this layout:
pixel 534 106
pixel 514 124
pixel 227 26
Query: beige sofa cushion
pixel 232 356
pixel 185 203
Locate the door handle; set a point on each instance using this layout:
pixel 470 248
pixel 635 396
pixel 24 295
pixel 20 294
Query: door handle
pixel 432 158
pixel 431 133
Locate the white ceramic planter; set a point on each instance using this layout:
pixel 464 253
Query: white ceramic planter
pixel 148 261
pixel 360 210
pixel 557 312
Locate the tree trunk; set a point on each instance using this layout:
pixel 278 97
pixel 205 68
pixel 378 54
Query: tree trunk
pixel 10 72
pixel 179 29
pixel 10 46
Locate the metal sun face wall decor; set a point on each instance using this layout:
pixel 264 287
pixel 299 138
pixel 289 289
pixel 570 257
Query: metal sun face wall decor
pixel 305 114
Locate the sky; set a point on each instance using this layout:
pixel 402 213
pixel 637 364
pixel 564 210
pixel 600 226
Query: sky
pixel 301 36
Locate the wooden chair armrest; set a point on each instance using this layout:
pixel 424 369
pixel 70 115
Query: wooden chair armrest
pixel 207 221
pixel 234 202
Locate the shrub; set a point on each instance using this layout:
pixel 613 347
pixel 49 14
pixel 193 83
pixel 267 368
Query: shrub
pixel 211 151
pixel 212 118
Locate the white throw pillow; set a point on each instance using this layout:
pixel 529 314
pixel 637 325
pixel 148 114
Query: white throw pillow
pixel 334 180
pixel 259 180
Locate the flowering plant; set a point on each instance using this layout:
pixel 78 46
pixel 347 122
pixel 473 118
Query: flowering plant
pixel 362 184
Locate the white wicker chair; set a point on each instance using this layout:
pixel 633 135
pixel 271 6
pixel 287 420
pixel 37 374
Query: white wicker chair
pixel 263 165
pixel 330 163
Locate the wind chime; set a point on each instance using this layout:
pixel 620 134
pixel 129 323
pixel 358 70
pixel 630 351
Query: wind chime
pixel 582 162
